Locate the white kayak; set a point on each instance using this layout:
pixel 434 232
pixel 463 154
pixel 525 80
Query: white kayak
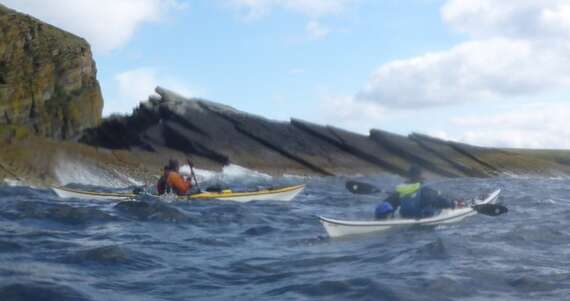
pixel 286 193
pixel 339 228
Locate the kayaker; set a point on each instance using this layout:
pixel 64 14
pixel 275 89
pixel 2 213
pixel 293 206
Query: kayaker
pixel 413 198
pixel 174 181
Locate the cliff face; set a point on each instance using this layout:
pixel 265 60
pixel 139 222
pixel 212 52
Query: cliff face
pixel 220 135
pixel 48 84
pixel 49 89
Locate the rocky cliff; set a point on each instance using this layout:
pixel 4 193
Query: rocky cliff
pixel 220 135
pixel 48 84
pixel 49 91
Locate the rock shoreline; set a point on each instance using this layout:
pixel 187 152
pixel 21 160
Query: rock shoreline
pixel 50 116
pixel 215 135
pixel 222 135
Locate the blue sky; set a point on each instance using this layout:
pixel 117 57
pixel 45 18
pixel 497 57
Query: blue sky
pixel 478 71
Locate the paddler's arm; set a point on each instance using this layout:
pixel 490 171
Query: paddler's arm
pixel 434 198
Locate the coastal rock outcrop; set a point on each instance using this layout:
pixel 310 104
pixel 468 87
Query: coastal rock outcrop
pixel 48 84
pixel 49 92
pixel 220 135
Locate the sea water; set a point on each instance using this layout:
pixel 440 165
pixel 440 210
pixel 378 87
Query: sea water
pixel 71 249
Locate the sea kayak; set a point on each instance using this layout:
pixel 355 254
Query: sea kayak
pixel 339 228
pixel 286 193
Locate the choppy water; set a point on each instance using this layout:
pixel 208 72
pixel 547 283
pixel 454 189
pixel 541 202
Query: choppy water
pixel 56 249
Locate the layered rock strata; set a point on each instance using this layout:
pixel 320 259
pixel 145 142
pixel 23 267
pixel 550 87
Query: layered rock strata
pixel 221 135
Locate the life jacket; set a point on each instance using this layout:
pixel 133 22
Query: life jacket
pixel 177 183
pixel 421 201
pixel 411 205
pixel 407 190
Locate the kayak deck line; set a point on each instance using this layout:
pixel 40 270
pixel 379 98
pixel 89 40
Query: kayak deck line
pixel 118 194
pixel 285 193
pixel 66 193
pixel 338 228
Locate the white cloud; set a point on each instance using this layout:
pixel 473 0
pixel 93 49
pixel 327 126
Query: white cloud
pixel 345 112
pixel 106 24
pixel 137 85
pixel 542 125
pixel 311 8
pixel 518 49
pixel 441 134
pixel 470 72
pixel 529 19
pixel 316 30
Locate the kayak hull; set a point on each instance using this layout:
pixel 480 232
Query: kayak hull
pixel 287 193
pixel 338 228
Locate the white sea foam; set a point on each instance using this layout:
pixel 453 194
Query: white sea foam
pixel 300 177
pixel 562 177
pixel 230 173
pixel 233 171
pixel 13 182
pixel 69 171
pixel 549 201
pixel 128 179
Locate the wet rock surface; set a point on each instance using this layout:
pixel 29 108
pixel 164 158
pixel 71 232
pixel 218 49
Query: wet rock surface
pixel 48 84
pixel 223 135
pixel 50 98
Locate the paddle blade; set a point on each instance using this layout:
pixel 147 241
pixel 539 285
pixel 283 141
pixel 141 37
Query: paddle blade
pixel 361 188
pixel 490 209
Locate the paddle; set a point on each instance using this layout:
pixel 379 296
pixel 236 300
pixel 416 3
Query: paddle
pixel 490 209
pixel 361 188
pixel 193 174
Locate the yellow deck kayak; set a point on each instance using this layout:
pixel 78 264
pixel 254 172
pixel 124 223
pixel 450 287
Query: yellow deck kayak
pixel 286 193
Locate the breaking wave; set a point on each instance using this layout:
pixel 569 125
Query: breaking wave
pixel 229 173
pixel 69 171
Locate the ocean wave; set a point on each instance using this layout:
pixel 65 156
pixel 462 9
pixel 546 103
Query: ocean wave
pixel 60 213
pixel 45 291
pixel 111 255
pixel 148 249
pixel 232 173
pixel 68 170
pixel 152 211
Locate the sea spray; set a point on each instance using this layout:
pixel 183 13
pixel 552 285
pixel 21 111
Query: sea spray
pixel 70 171
pixel 13 182
pixel 230 174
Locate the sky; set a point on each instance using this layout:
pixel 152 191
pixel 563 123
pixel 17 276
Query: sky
pixel 485 72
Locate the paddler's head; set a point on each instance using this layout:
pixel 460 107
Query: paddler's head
pixel 173 165
pixel 415 174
